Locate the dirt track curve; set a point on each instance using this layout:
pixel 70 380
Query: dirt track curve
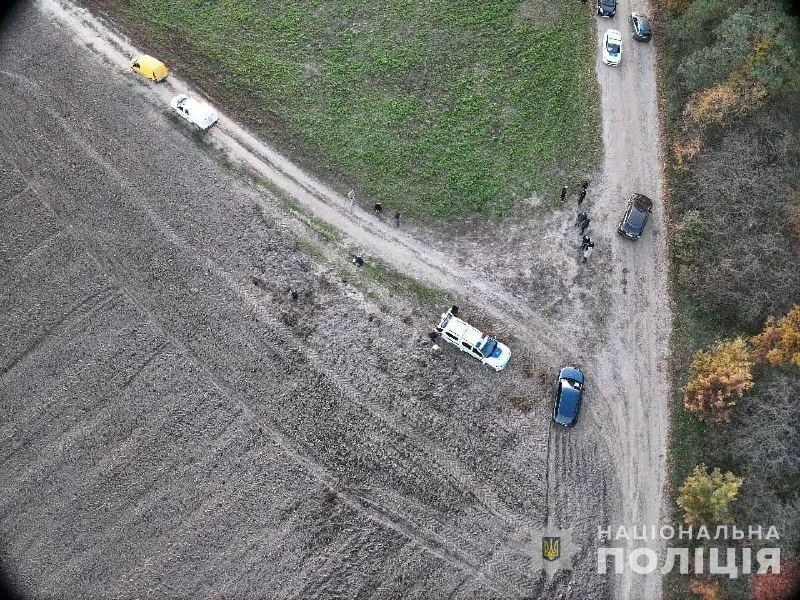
pixel 172 427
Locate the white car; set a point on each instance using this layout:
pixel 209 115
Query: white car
pixel 473 341
pixel 199 114
pixel 612 47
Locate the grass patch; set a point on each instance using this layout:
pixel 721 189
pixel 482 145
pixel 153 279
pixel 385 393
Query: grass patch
pixel 399 284
pixel 436 109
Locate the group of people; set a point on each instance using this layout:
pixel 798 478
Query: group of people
pixel 582 221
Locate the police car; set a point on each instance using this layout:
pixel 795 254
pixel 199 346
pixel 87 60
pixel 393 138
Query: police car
pixel 473 341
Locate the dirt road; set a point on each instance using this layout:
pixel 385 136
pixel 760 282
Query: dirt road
pixel 380 470
pixel 630 367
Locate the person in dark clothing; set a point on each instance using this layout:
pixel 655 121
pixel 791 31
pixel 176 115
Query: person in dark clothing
pixel 582 216
pixel 581 196
pixel 397 219
pixel 563 193
pixel 586 242
pixel 585 224
pixel 378 208
pixel 358 261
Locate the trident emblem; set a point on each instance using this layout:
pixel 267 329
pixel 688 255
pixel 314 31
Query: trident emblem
pixel 551 548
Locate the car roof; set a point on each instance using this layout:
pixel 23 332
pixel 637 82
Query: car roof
pixel 634 220
pixel 147 61
pixel 568 402
pixel 465 331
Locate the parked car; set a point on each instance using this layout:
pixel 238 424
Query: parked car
pixel 200 114
pixel 612 47
pixel 640 25
pixel 147 66
pixel 473 341
pixel 606 8
pixel 635 217
pixel 569 396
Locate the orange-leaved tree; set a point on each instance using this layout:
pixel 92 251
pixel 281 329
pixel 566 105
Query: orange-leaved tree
pixel 779 342
pixel 778 586
pixel 717 377
pixel 706 589
pixel 706 497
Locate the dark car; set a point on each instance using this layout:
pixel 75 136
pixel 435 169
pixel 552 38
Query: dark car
pixel 606 8
pixel 641 27
pixel 635 217
pixel 569 396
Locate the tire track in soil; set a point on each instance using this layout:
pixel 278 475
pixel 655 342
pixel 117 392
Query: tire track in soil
pixel 445 463
pixel 384 517
pixel 316 576
pixel 78 313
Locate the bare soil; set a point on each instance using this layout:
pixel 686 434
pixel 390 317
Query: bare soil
pixel 175 425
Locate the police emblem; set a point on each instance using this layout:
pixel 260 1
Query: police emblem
pixel 551 548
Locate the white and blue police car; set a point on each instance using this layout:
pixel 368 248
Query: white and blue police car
pixel 473 341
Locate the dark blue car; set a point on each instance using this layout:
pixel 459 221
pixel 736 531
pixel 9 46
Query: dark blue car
pixel 635 217
pixel 606 8
pixel 569 396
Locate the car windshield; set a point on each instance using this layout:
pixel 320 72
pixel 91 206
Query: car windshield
pixel 613 48
pixel 489 347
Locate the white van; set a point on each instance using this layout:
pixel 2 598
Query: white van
pixel 473 341
pixel 200 114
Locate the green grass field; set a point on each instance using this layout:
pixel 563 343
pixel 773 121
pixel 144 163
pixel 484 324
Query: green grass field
pixel 437 109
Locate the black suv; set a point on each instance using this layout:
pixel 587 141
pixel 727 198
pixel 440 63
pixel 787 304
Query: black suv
pixel 606 8
pixel 635 217
pixel 641 27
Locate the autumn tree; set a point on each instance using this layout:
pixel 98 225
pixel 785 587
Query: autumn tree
pixel 779 342
pixel 736 97
pixel 778 586
pixel 705 497
pixel 717 377
pixel 706 589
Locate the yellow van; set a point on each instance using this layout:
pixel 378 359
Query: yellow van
pixel 149 67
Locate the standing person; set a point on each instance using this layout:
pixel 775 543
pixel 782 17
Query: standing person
pixel 587 251
pixel 397 219
pixel 585 224
pixel 351 195
pixel 585 184
pixel 582 216
pixel 378 208
pixel 586 242
pixel 581 196
pixel 563 193
pixel 435 350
